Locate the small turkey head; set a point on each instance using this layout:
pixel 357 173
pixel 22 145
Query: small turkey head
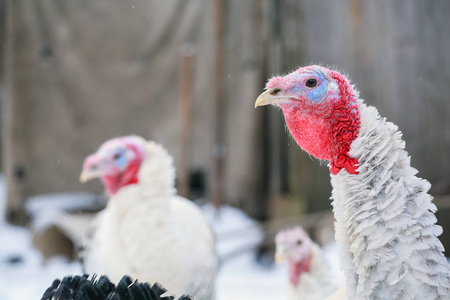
pixel 321 111
pixel 295 247
pixel 116 163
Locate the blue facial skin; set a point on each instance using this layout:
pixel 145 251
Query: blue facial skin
pixel 316 94
pixel 121 162
pixel 320 91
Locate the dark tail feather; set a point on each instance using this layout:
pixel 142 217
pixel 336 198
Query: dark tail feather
pixel 82 288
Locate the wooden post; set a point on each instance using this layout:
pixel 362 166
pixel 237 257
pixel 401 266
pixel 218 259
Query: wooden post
pixel 186 103
pixel 219 149
pixel 14 137
pixel 277 138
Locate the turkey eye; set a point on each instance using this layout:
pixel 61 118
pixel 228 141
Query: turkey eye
pixel 299 242
pixel 311 83
pixel 117 156
pixel 275 91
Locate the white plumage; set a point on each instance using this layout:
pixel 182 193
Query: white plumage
pixel 385 222
pixel 148 232
pixel 315 280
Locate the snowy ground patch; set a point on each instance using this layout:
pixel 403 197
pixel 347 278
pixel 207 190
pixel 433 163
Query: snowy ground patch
pixel 23 274
pixel 240 276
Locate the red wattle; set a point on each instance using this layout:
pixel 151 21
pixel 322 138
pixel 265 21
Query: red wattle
pixel 346 122
pixel 114 183
pixel 296 269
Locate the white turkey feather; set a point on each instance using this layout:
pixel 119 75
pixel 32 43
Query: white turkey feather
pixel 148 232
pixel 385 226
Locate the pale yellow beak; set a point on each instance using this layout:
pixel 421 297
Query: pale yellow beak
pixel 279 257
pixel 88 175
pixel 268 97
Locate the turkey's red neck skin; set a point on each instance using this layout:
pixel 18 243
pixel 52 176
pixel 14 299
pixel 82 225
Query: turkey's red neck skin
pixel 113 183
pixel 297 268
pixel 327 129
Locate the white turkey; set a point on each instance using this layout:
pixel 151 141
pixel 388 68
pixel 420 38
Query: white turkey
pixel 146 230
pixel 385 222
pixel 310 275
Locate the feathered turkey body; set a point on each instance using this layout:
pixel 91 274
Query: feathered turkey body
pixel 150 233
pixel 310 275
pixel 385 222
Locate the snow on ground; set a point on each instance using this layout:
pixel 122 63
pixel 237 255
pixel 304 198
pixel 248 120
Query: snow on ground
pixel 24 274
pixel 240 276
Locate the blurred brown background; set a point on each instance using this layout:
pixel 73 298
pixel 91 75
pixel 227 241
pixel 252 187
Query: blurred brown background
pixel 186 74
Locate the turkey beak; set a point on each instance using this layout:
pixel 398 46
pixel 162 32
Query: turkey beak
pixel 279 257
pixel 93 167
pixel 87 175
pixel 272 96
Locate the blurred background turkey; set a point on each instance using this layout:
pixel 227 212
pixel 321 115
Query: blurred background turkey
pixel 146 230
pixel 309 273
pixel 74 74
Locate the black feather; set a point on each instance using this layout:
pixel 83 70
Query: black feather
pixel 85 288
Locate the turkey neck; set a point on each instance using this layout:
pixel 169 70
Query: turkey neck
pixel 297 268
pixel 385 226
